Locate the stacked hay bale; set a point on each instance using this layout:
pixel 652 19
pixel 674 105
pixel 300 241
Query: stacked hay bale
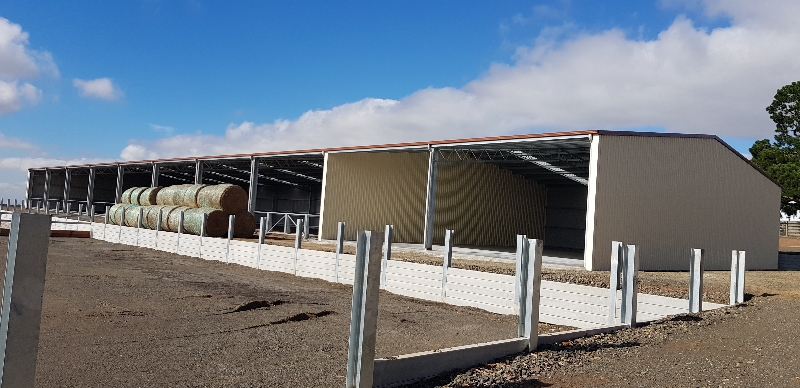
pixel 216 202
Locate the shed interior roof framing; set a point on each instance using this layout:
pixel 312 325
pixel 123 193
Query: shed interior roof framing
pixel 553 162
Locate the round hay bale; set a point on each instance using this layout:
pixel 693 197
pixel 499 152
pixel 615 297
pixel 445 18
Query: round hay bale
pixel 148 196
pixel 174 219
pixel 244 225
pixel 231 199
pixel 188 195
pixel 134 195
pixel 169 195
pixel 151 218
pixel 132 215
pixel 126 195
pixel 114 213
pixel 216 222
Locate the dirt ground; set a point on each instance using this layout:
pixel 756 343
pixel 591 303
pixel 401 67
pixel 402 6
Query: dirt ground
pixel 120 316
pixel 751 345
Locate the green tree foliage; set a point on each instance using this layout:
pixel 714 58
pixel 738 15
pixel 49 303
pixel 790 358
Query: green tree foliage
pixel 780 159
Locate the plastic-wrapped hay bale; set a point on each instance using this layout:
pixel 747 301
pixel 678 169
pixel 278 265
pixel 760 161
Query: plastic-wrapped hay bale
pixel 148 196
pixel 173 220
pixel 126 195
pixel 231 199
pixel 187 195
pixel 134 195
pixel 216 222
pixel 244 225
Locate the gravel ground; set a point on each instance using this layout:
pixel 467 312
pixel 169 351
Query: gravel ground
pixel 120 316
pixel 749 345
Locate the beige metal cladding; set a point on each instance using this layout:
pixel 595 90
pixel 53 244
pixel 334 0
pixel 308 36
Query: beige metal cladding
pixel 368 190
pixel 669 194
pixel 486 205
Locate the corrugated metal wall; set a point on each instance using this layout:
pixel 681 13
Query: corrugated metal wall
pixel 368 190
pixel 482 203
pixel 670 194
pixel 485 205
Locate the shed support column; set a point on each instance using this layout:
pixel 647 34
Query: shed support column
pixel 67 187
pixel 156 173
pixel 430 199
pixel 90 192
pixel 198 172
pixel 29 188
pixel 46 195
pixel 251 204
pixel 120 173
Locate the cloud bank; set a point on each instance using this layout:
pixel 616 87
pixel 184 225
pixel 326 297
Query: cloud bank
pixel 100 88
pixel 18 62
pixel 688 79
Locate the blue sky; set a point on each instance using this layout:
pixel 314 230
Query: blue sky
pixel 90 81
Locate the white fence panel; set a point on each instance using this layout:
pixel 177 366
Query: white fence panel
pixel 189 245
pixel 167 241
pixel 214 249
pixel 347 268
pixel 97 231
pixel 243 253
pixel 112 233
pixel 277 258
pixel 147 238
pixel 316 264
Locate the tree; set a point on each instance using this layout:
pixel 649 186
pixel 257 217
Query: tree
pixel 780 159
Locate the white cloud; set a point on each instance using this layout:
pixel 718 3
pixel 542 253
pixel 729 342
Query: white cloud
pixel 17 61
pixel 13 143
pixel 13 96
pixel 24 163
pixel 162 128
pixel 101 88
pixel 688 79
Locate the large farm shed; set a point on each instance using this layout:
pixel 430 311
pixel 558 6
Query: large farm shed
pixel 577 191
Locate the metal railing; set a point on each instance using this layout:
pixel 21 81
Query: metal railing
pixel 288 221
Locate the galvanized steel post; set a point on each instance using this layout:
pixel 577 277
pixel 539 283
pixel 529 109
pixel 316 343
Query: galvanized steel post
pixel 261 232
pixel 306 227
pixel 251 203
pixel 737 277
pixel 231 221
pixel 139 225
pixel 364 313
pixel 286 223
pixel 298 239
pixel 617 257
pixel 529 289
pixel 387 252
pixel 430 198
pixel 448 259
pixel 180 232
pixel 339 246
pixel 26 266
pixel 630 285
pixel 80 211
pixel 696 281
